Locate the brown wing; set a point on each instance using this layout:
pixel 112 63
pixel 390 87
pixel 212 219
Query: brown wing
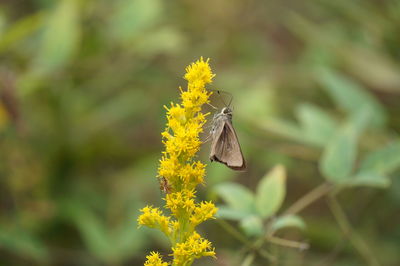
pixel 216 133
pixel 226 148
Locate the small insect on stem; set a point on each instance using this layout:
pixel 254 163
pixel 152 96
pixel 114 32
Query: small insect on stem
pixel 164 186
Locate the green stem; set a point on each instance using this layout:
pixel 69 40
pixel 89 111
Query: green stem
pixel 295 208
pixel 309 198
pixel 287 243
pixel 249 259
pixel 299 205
pixel 239 236
pixel 347 229
pixel 234 232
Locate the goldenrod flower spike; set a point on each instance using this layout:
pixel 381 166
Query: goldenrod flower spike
pixel 182 174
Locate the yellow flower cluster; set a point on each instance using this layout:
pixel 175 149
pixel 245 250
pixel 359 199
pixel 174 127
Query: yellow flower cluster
pixel 154 259
pixel 193 248
pixel 203 211
pixel 181 173
pixel 153 218
pixel 181 203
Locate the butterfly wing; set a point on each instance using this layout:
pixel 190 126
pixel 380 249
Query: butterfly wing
pixel 216 135
pixel 225 147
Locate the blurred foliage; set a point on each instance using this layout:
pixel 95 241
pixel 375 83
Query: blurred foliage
pixel 316 89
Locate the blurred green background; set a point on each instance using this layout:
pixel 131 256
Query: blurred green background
pixel 316 88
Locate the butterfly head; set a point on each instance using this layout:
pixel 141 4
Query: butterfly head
pixel 227 111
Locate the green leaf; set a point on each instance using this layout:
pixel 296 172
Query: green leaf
pixel 360 120
pixel 351 96
pixel 371 179
pixel 338 158
pixel 127 239
pixel 236 196
pixel 61 36
pixel 288 221
pixel 95 236
pixel 252 225
pixel 271 192
pixel 384 160
pixel 231 214
pixel 19 31
pixel 318 126
pixel 92 231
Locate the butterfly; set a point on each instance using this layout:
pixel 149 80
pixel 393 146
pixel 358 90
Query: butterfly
pixel 225 147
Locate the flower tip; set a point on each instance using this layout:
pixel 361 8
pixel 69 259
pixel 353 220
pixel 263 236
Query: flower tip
pixel 154 259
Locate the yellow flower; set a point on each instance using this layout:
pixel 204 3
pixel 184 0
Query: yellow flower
pixel 202 212
pixel 193 248
pixel 181 203
pixel 199 73
pixel 154 259
pixel 153 218
pixel 192 174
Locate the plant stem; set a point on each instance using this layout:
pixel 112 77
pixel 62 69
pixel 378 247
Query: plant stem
pixel 249 259
pixel 298 206
pixel 287 243
pixel 235 233
pixel 344 224
pixel 308 198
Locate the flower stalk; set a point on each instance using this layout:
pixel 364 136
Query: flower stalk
pixel 181 173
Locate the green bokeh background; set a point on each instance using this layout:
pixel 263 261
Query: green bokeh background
pixel 82 89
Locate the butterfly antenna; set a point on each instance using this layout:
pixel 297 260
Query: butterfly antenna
pixel 226 93
pixel 212 106
pixel 221 98
pixel 230 101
